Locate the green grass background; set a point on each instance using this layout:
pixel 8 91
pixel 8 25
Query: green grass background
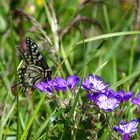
pixel 97 37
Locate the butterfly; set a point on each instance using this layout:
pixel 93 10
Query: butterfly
pixel 34 69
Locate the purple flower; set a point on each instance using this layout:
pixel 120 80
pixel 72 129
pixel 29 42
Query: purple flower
pixel 94 83
pixel 92 97
pixel 110 93
pixel 105 101
pixel 126 128
pixel 124 96
pixel 72 81
pixel 136 100
pixel 45 86
pixel 59 84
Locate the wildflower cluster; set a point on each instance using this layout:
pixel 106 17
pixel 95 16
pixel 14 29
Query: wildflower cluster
pixel 103 96
pixel 107 100
pixel 58 84
pixel 98 92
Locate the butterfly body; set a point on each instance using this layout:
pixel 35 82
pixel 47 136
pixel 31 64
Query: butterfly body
pixel 35 69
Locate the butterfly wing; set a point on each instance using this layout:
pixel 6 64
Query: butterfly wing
pixel 36 57
pixel 25 56
pixel 30 75
pixel 35 69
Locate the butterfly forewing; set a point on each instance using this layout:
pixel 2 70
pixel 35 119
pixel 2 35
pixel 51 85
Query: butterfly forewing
pixel 25 56
pixel 36 57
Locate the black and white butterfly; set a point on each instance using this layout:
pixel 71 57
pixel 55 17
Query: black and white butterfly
pixel 34 69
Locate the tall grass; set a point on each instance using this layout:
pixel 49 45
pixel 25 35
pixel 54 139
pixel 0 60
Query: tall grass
pixel 76 39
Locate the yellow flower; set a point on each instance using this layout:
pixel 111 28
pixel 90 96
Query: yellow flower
pixel 40 2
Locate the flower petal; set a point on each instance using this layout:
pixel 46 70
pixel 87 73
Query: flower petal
pixel 72 81
pixel 127 127
pixel 45 86
pixel 94 83
pixel 59 84
pixel 107 103
pixel 122 96
pixel 136 100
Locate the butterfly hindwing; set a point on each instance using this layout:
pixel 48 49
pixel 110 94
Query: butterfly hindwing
pixel 30 75
pixel 21 73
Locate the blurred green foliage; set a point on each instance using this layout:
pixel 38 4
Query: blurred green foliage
pixel 64 23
